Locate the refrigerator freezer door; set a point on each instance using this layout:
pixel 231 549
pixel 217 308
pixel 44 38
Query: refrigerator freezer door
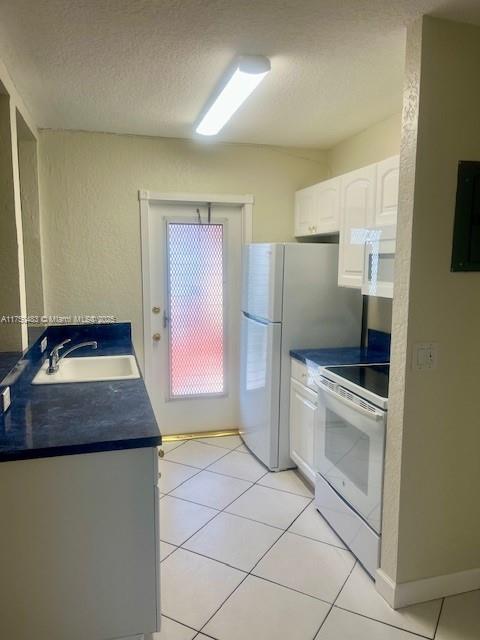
pixel 260 388
pixel 263 281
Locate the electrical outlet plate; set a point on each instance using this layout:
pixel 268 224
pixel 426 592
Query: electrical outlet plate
pixel 425 355
pixel 6 401
pixel 43 344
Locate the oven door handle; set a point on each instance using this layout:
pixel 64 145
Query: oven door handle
pixel 375 414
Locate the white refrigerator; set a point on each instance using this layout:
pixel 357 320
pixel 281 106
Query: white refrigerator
pixel 290 300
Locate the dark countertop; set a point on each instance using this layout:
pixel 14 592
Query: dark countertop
pixel 378 351
pixel 342 355
pixel 8 359
pixel 84 417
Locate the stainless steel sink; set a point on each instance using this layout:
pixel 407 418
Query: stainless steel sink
pixel 90 369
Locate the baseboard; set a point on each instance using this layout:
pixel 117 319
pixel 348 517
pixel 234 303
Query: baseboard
pixel 219 433
pixel 406 593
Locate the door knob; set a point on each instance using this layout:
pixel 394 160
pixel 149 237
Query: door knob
pixel 156 337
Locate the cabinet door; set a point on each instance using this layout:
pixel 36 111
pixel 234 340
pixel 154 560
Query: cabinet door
pixel 304 211
pixel 327 206
pixel 387 191
pixel 303 405
pixel 357 205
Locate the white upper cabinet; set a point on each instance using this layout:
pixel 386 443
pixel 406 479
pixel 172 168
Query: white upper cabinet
pixel 349 204
pixel 357 204
pixel 328 206
pixel 317 209
pixel 305 216
pixel 387 192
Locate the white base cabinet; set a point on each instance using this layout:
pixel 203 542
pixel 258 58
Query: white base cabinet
pixel 303 407
pixel 79 546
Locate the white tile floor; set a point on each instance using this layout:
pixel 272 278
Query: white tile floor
pixel 246 556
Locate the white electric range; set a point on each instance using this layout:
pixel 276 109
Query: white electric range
pixel 350 454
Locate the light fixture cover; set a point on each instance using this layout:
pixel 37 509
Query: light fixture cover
pixel 246 74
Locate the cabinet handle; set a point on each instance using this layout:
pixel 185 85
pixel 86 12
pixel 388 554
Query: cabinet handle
pixel 156 337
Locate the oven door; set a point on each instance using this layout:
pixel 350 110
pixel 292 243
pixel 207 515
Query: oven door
pixel 350 449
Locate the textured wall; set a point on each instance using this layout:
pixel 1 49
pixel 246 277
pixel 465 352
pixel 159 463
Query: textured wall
pixel 376 143
pixel 10 334
pixel 435 490
pixel 28 169
pixel 90 211
pixel 398 367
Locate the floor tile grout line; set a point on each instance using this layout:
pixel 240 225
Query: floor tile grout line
pixel 250 572
pixel 224 474
pixel 216 515
pixel 330 544
pixel 207 468
pixel 172 449
pixel 438 619
pixel 336 598
pixel 290 493
pixel 167 493
pixel 387 624
pixel 185 464
pixel 287 530
pixel 182 623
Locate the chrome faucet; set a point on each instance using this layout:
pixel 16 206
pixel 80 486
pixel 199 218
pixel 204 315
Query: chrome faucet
pixel 55 356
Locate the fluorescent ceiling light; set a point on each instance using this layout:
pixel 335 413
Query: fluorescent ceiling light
pixel 246 75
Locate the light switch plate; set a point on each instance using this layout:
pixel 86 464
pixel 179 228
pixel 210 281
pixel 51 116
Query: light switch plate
pixel 425 355
pixel 6 401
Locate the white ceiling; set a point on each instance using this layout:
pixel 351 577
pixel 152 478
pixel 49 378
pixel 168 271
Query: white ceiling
pixel 147 67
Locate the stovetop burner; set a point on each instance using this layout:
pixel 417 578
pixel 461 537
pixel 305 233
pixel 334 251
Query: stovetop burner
pixel 372 377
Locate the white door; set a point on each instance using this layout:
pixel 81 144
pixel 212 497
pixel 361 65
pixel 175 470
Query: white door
pixel 358 211
pixel 328 206
pixel 305 211
pixel 194 308
pixel 263 281
pixel 260 388
pixel 350 450
pixel 303 407
pixel 387 191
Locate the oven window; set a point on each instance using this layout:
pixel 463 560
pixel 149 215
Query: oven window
pixel 348 449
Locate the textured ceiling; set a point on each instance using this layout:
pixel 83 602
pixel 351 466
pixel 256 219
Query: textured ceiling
pixel 147 67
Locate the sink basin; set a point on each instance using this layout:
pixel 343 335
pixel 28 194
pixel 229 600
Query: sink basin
pixel 89 369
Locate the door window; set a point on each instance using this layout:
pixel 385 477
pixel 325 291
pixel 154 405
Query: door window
pixel 196 318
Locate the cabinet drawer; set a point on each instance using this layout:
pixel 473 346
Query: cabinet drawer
pixel 301 373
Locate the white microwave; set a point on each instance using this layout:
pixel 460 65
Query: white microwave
pixel 379 264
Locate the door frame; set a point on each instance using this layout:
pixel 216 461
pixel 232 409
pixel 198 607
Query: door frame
pixel 147 198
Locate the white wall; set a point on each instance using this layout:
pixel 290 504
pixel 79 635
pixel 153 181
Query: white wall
pixel 10 334
pixel 376 143
pixel 432 514
pixel 90 210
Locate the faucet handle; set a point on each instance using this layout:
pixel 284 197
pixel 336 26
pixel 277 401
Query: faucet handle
pixel 60 345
